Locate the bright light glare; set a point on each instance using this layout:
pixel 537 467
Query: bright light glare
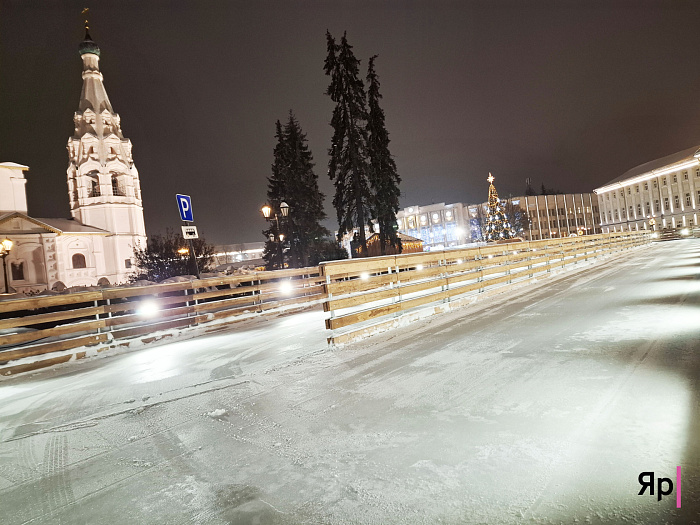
pixel 364 276
pixel 654 235
pixel 148 308
pixel 286 287
pixel 459 261
pixel 685 231
pixel 419 267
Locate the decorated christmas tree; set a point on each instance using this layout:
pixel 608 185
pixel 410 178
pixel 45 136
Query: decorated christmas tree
pixel 497 225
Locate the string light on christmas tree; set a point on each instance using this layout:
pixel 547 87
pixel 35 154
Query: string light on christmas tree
pixel 497 225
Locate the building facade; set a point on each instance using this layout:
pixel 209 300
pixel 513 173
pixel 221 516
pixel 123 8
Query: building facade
pixel 552 216
pixel 663 193
pixel 439 226
pixel 96 245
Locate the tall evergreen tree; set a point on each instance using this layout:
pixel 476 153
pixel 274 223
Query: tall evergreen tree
pixel 348 166
pixel 276 186
pixel 293 181
pixel 383 175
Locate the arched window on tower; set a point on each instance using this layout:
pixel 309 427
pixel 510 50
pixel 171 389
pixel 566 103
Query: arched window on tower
pixel 79 261
pixel 117 188
pixel 93 185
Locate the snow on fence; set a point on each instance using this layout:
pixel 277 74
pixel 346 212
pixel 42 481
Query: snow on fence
pixel 361 293
pixel 42 325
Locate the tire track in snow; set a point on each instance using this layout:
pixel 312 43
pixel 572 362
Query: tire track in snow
pixel 56 491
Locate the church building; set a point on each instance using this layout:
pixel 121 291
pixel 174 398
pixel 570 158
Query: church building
pixel 96 245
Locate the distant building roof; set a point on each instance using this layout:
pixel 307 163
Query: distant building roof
pixel 72 226
pixel 648 168
pixel 53 225
pixel 14 165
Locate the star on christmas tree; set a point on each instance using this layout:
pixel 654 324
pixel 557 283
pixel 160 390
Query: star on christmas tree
pixel 497 225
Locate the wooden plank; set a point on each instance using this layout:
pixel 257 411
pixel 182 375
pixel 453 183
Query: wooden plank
pixel 357 266
pixel 454 279
pixel 51 317
pixel 159 301
pixel 138 318
pixel 359 317
pixel 155 327
pixel 355 300
pixel 407 260
pixel 226 303
pixel 274 305
pixel 360 285
pixel 138 291
pixel 460 290
pixel 423 300
pixel 56 346
pixel 415 275
pixel 490 282
pixel 51 332
pixel 460 267
pixel 494 269
pixel 419 287
pixel 464 253
pixel 33 303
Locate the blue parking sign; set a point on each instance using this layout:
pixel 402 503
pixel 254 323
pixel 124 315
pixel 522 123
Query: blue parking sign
pixel 184 204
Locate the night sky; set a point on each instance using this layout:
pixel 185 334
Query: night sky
pixel 570 94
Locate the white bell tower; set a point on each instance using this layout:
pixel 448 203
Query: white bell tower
pixel 103 182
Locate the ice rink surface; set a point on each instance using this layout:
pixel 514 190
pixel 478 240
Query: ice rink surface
pixel 538 406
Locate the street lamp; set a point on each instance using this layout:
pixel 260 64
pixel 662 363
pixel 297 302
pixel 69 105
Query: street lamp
pixel 271 215
pixel 5 249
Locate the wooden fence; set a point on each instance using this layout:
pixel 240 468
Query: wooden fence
pixel 41 325
pixel 362 293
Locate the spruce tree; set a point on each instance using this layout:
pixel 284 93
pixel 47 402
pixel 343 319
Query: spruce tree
pixel 303 196
pixel 276 186
pixel 497 225
pixel 293 181
pixel 384 178
pixel 348 165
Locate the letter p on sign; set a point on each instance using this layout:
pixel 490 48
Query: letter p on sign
pixel 184 204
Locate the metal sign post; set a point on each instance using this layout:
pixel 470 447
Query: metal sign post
pixel 189 231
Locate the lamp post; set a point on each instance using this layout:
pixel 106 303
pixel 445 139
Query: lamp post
pixel 5 249
pixel 271 215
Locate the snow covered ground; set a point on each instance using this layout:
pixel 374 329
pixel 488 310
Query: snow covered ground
pixel 543 407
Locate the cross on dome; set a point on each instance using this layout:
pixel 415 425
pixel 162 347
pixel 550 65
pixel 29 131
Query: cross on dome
pixel 490 178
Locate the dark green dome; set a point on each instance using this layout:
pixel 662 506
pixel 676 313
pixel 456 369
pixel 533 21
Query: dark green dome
pixel 88 46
